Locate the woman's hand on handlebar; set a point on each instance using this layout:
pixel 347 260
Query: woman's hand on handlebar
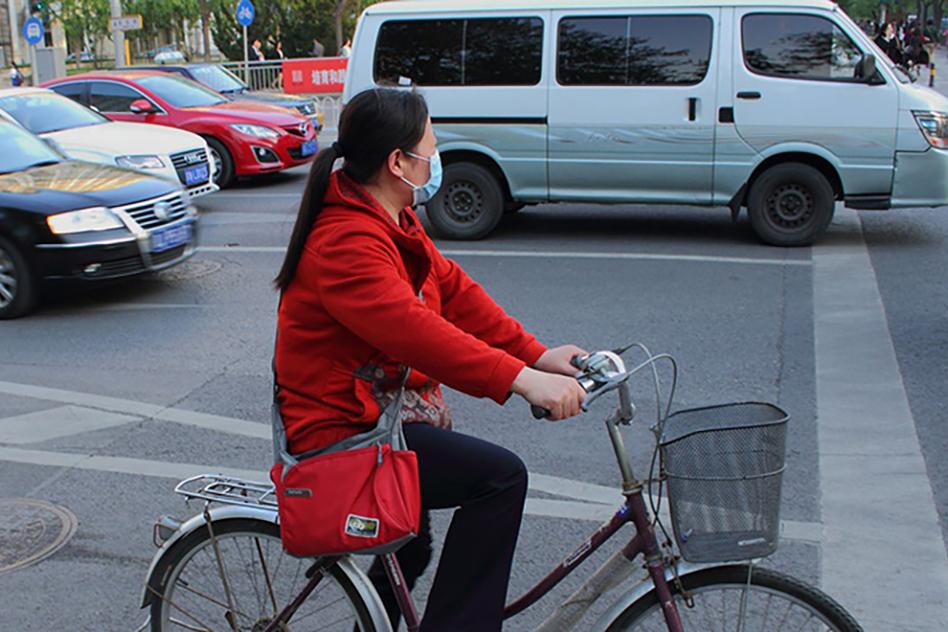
pixel 560 395
pixel 557 360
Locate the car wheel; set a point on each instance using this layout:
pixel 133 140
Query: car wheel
pixel 223 163
pixel 469 204
pixel 17 285
pixel 790 204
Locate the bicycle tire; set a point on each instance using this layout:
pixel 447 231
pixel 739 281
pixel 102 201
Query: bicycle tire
pixel 167 606
pixel 645 613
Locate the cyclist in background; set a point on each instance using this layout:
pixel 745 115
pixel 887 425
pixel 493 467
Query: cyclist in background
pixel 364 291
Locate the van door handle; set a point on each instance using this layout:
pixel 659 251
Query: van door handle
pixel 692 108
pixel 753 96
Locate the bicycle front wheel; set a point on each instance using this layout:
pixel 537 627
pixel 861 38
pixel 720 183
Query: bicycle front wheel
pixel 241 584
pixel 723 600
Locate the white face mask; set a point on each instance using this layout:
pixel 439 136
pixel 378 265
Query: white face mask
pixel 423 193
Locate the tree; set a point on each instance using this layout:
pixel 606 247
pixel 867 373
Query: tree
pixel 83 20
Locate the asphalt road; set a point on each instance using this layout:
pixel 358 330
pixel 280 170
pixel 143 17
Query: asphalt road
pixel 745 321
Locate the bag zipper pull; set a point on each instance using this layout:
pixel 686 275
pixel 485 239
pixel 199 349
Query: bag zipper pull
pixel 379 446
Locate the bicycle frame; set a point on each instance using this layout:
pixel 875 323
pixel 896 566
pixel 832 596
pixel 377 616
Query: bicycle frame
pixel 632 511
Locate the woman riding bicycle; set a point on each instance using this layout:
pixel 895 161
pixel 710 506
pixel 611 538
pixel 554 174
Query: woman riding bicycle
pixel 365 292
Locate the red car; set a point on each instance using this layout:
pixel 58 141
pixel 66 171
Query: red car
pixel 245 138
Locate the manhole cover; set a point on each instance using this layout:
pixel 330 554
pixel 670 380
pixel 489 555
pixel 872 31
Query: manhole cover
pixel 31 530
pixel 192 269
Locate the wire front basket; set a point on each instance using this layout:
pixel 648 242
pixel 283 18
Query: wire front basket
pixel 724 469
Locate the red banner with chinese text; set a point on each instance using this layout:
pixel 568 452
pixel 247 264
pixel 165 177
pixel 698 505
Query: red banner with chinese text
pixel 314 75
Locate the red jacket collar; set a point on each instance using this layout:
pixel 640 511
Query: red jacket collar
pixel 346 199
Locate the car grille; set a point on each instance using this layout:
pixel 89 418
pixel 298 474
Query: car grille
pixel 306 109
pixel 158 211
pixel 300 129
pixel 135 265
pixel 185 159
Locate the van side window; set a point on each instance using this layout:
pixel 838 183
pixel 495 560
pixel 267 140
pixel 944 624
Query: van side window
pixel 798 46
pixel 469 52
pixel 647 50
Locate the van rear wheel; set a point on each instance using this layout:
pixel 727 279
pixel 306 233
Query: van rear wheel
pixel 469 204
pixel 790 204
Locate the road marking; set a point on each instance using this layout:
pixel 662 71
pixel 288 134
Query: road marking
pixel 141 409
pixel 532 254
pixel 882 539
pixel 595 502
pixel 569 509
pixel 58 422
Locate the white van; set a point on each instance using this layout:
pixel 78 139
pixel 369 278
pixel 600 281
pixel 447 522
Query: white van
pixel 780 108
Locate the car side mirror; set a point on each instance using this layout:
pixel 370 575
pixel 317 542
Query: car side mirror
pixel 866 69
pixel 142 106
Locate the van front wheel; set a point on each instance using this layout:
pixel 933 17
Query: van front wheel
pixel 790 205
pixel 469 203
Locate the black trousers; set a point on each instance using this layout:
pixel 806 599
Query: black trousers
pixel 488 485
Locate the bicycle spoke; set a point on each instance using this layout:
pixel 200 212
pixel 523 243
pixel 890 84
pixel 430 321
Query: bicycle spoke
pixel 266 574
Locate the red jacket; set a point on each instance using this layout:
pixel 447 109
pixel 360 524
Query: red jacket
pixel 352 314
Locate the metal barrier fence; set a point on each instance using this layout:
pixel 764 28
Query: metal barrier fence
pixel 268 76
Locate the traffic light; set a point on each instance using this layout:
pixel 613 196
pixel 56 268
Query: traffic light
pixel 37 6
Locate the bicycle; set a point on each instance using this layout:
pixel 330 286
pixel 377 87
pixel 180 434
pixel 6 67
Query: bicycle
pixel 722 465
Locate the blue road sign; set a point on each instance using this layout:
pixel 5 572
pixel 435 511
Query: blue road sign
pixel 245 12
pixel 33 31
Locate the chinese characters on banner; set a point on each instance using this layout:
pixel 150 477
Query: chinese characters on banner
pixel 310 76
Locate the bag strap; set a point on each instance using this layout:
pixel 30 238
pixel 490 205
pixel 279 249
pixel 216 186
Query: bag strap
pixel 388 429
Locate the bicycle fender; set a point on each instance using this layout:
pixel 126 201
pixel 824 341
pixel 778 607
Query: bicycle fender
pixel 223 512
pixel 643 588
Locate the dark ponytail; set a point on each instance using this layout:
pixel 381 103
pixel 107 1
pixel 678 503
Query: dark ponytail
pixel 373 124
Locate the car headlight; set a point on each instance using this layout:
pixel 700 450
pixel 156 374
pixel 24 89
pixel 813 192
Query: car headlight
pixel 140 162
pixel 934 126
pixel 257 131
pixel 86 220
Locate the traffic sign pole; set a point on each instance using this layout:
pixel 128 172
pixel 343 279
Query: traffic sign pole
pixel 245 15
pixel 118 37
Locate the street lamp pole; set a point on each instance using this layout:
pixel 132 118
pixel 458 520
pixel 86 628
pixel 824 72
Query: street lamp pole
pixel 118 37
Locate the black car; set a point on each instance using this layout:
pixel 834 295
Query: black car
pixel 63 219
pixel 222 80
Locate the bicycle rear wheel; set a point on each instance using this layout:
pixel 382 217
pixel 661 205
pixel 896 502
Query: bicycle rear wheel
pixel 261 578
pixel 774 601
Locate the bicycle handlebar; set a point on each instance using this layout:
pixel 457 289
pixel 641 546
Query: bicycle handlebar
pixel 596 371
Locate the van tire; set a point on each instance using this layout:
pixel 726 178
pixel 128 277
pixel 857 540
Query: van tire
pixel 18 279
pixel 790 204
pixel 469 204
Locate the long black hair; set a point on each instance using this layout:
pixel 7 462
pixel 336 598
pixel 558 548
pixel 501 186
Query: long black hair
pixel 373 124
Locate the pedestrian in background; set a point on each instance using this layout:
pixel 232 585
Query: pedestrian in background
pixel 889 43
pixel 16 77
pixel 256 51
pixel 318 48
pixel 346 49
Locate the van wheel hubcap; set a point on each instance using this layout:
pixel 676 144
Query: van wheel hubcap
pixel 8 280
pixel 790 206
pixel 463 202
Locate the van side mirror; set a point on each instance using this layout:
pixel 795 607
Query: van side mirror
pixel 866 69
pixel 142 106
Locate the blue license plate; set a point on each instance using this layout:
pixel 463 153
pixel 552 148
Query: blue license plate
pixel 170 237
pixel 196 175
pixel 308 148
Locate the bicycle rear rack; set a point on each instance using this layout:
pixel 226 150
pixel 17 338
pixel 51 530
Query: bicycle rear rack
pixel 228 490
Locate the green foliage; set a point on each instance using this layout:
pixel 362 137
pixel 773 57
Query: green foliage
pixel 294 22
pixel 859 9
pixel 159 16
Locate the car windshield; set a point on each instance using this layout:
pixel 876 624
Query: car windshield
pixel 218 78
pixel 181 92
pixel 22 150
pixel 42 112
